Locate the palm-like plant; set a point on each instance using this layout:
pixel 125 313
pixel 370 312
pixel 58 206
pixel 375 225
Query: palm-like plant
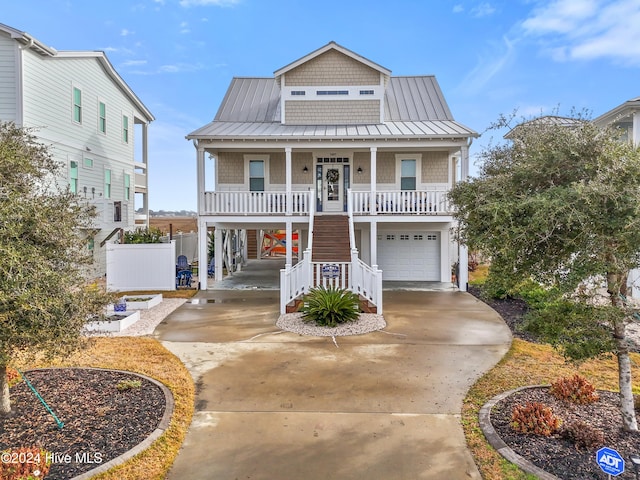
pixel 328 307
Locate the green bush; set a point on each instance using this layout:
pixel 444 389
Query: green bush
pixel 329 307
pixel 143 235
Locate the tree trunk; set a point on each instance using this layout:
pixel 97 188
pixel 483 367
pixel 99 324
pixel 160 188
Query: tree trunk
pixel 616 282
pixel 5 403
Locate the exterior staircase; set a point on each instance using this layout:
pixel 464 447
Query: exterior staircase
pixel 252 244
pixel 331 239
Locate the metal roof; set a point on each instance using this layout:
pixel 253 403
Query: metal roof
pixel 619 113
pixel 414 107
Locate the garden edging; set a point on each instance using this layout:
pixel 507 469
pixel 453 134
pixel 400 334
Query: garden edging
pixel 484 417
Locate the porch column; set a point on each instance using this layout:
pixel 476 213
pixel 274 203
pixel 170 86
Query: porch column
pixel 636 129
pixel 203 248
pixel 287 175
pixel 145 160
pixel 373 247
pixel 463 268
pixel 464 162
pixel 200 181
pixel 217 238
pixel 289 243
pixel 372 180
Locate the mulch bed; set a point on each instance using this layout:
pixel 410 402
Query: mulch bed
pixel 555 454
pixel 101 422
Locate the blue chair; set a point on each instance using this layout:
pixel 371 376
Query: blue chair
pixel 183 279
pixel 182 264
pixel 211 269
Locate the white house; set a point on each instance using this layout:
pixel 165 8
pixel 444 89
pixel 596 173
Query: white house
pixel 335 135
pixel 92 121
pixel 626 117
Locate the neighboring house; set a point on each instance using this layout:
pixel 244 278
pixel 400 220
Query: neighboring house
pixel 334 133
pixel 89 117
pixel 627 118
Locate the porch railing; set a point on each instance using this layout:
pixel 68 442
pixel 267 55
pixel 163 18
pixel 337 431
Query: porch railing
pixel 257 203
pixel 421 202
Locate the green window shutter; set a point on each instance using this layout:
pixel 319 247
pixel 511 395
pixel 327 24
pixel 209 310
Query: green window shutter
pixel 102 125
pixel 127 186
pixel 73 177
pixel 125 129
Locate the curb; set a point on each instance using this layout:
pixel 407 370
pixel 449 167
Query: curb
pixel 146 443
pixel 496 441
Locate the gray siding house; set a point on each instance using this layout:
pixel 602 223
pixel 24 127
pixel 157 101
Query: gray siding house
pixel 89 117
pixel 334 134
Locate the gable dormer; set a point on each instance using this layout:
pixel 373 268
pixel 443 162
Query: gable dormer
pixel 332 86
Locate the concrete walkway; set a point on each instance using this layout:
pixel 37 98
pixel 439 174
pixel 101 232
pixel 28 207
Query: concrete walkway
pixel 280 406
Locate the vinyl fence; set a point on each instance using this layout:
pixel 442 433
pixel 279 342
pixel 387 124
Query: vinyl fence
pixel 150 266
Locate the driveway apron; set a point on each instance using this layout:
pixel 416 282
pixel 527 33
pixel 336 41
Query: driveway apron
pixel 273 405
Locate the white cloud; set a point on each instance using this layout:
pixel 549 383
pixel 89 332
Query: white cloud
pixel 125 33
pixel 458 8
pixel 180 67
pixel 588 29
pixel 209 3
pixel 483 10
pixel 489 65
pixel 133 63
pixel 184 28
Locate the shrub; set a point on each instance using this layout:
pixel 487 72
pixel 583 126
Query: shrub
pixel 576 389
pixel 24 463
pixel 536 418
pixel 329 307
pixel 128 384
pixel 583 435
pixel 143 235
pixel 13 376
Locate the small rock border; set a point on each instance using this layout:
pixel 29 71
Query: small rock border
pixel 366 323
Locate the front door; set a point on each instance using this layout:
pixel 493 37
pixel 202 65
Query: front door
pixel 332 188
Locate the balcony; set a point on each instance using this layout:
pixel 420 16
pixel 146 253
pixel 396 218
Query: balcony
pixel 391 202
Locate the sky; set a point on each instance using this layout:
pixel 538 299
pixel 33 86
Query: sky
pixel 492 57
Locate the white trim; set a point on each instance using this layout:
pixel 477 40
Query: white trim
pixel 408 156
pixel 265 159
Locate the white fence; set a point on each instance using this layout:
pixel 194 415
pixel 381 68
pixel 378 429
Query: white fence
pixel 149 266
pixel 186 244
pixel 422 202
pixel 256 203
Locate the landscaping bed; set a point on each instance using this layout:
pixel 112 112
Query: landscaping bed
pixel 101 420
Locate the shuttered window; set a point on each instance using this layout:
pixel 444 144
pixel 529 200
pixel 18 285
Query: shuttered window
pixel 77 105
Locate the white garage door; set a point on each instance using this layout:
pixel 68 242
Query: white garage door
pixel 407 255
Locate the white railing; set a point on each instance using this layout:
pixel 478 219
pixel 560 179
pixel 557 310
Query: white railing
pixel 367 282
pixel 257 203
pixel 416 202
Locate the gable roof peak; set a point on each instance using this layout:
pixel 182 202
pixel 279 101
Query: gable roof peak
pixel 332 45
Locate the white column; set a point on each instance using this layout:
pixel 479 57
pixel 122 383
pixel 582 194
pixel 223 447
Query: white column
pixel 217 236
pixel 201 181
pixel 636 129
pixel 373 247
pixel 203 248
pixel 464 162
pixel 463 268
pixel 372 180
pixel 145 160
pixel 289 243
pixel 287 175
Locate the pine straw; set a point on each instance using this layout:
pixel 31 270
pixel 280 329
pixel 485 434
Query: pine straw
pixel 149 357
pixel 526 364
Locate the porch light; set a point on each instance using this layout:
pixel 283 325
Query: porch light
pixel 359 169
pixel 305 169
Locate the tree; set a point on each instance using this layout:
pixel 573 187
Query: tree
pixel 44 297
pixel 560 205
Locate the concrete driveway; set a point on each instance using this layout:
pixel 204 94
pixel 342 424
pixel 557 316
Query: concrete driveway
pixel 280 406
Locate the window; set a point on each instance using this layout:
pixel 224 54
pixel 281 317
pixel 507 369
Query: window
pixel 102 117
pixel 127 186
pixel 107 183
pixel 404 237
pixel 418 237
pixel 117 211
pixel 73 177
pixel 332 92
pixel 432 237
pixel 408 175
pixel 77 105
pixel 88 162
pixel 125 129
pixel 256 175
pixel 366 92
pixel 391 237
pixel 298 92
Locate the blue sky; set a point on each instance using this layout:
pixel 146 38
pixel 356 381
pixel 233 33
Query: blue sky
pixel 490 57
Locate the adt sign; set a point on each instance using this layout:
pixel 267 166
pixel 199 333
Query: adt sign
pixel 610 461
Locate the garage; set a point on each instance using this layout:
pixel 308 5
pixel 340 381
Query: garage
pixel 409 255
